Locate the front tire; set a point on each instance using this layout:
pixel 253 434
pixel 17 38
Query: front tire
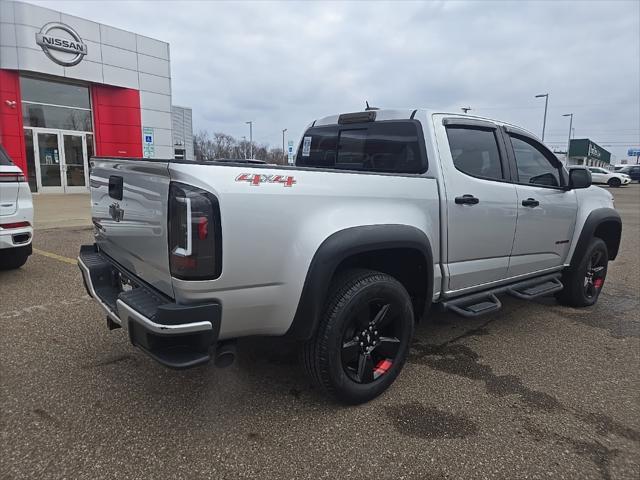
pixel 614 182
pixel 363 338
pixel 583 284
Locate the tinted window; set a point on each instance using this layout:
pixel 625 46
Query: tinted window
pixel 475 152
pixel 45 91
pixel 47 116
pixel 533 166
pixel 4 157
pixel 386 146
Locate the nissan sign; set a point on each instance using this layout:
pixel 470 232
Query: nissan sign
pixel 61 43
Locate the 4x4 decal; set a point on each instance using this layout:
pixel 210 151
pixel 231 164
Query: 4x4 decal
pixel 255 179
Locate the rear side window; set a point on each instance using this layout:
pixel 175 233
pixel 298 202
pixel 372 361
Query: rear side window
pixel 4 157
pixel 387 146
pixel 475 152
pixel 534 166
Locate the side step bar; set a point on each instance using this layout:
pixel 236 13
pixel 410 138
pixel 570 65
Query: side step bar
pixel 481 303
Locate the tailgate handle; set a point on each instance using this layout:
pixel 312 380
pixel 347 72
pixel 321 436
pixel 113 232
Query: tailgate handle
pixel 115 187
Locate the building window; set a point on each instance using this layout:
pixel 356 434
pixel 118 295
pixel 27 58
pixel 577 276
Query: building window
pixel 49 104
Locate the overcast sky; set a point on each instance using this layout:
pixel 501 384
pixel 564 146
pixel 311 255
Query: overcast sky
pixel 284 64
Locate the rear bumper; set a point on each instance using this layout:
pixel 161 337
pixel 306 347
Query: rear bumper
pixel 177 336
pixel 15 237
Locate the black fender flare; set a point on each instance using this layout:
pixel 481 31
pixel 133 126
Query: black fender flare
pixel 591 224
pixel 340 246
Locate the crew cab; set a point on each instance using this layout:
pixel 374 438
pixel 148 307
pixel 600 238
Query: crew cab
pixel 16 215
pixel 386 214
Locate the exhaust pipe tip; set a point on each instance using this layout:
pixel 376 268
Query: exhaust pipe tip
pixel 225 354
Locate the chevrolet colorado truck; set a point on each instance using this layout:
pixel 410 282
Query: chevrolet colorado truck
pixel 386 214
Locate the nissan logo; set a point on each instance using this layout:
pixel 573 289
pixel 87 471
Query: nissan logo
pixel 61 43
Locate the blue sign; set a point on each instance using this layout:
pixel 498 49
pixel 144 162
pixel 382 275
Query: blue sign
pixel 148 139
pixel 633 152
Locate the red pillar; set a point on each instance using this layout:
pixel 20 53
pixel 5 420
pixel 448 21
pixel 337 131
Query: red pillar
pixel 11 126
pixel 117 121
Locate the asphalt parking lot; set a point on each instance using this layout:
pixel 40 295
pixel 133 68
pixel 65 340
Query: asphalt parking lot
pixel 536 390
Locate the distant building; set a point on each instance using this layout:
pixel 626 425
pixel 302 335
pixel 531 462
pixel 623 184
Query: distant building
pixel 583 151
pixel 182 132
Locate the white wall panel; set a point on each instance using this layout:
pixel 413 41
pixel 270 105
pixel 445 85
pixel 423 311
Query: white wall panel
pixel 90 71
pixel 94 52
pixel 120 77
pixel 161 136
pixel 153 65
pixel 28 14
pixel 9 58
pixel 37 61
pixel 118 38
pixel 154 83
pixel 119 57
pixel 155 48
pixel 164 152
pixel 26 37
pixel 7 35
pixel 152 118
pixel 155 101
pixel 87 29
pixel 6 12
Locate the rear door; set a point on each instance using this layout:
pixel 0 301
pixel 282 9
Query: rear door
pixel 598 175
pixel 480 201
pixel 129 208
pixel 546 211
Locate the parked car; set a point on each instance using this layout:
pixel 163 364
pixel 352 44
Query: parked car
pixel 632 171
pixel 386 213
pixel 607 177
pixel 16 215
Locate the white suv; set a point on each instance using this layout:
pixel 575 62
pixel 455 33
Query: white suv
pixel 613 179
pixel 16 215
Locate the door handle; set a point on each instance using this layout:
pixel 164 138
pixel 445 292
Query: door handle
pixel 530 202
pixel 467 200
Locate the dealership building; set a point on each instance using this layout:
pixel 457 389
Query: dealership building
pixel 71 88
pixel 583 151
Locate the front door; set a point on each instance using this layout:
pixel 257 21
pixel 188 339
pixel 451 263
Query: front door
pixel 61 161
pixel 546 211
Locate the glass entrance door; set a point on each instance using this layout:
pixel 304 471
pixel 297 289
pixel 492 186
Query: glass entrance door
pixel 61 161
pixel 74 163
pixel 49 162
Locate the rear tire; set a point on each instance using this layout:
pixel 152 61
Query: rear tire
pixel 363 338
pixel 614 182
pixel 13 258
pixel 583 284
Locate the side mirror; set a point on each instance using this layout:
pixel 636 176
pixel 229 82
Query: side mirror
pixel 579 178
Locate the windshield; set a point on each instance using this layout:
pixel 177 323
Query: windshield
pixel 386 146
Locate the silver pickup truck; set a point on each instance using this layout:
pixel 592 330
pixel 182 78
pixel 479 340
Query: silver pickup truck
pixel 386 214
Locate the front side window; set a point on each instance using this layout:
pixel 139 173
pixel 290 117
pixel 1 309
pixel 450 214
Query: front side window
pixel 475 152
pixel 384 146
pixel 534 167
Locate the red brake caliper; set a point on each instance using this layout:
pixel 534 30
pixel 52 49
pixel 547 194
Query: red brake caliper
pixel 598 282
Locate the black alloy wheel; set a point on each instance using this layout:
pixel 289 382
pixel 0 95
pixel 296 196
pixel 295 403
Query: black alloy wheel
pixel 595 274
pixel 363 338
pixel 371 341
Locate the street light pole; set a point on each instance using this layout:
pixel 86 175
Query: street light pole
pixel 546 103
pixel 284 156
pixel 570 115
pixel 250 139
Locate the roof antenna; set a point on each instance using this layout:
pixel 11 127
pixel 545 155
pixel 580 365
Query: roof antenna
pixel 465 109
pixel 369 107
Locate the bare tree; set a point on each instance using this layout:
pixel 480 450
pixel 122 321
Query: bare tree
pixel 224 146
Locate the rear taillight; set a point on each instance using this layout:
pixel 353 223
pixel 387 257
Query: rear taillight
pixel 11 177
pixel 14 225
pixel 195 237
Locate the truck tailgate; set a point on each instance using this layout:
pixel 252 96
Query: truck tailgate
pixel 129 209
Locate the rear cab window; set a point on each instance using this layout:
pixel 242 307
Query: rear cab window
pixel 4 157
pixel 475 151
pixel 389 146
